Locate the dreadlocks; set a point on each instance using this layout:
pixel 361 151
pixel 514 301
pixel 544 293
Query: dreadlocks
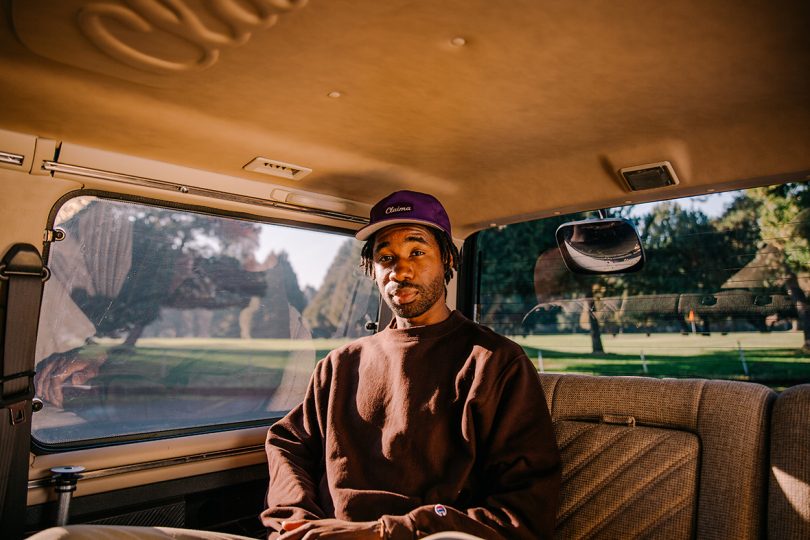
pixel 447 249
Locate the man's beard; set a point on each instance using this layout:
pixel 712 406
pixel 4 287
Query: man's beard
pixel 426 298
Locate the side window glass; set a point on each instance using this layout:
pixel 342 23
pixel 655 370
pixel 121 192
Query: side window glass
pixel 157 320
pixel 724 292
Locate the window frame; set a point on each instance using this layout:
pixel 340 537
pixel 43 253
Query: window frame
pixel 42 448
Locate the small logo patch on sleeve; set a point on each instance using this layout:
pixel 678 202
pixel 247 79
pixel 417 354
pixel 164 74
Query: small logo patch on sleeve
pixel 440 510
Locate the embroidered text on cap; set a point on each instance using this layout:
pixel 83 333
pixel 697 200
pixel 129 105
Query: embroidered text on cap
pixel 403 207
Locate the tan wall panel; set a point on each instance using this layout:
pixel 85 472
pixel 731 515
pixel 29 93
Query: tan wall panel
pixel 95 459
pixel 25 202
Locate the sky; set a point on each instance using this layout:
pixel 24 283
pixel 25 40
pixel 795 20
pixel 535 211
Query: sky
pixel 311 252
pixel 712 204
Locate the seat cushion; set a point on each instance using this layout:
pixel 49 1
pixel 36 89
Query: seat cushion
pixel 690 459
pixel 789 485
pixel 626 482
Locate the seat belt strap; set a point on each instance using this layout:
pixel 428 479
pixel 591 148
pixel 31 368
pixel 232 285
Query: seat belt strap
pixel 21 277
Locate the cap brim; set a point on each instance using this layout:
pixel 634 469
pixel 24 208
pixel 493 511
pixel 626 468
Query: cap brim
pixel 366 232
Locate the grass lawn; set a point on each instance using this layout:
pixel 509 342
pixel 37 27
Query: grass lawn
pixel 771 358
pixel 217 356
pixel 174 383
pixel 168 384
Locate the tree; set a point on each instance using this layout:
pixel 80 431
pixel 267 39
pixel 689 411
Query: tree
pixel 784 223
pixel 521 268
pixel 340 306
pixel 138 259
pixel 679 243
pixel 271 317
pixel 506 258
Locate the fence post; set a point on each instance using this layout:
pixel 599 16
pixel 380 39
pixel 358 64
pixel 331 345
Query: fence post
pixel 742 358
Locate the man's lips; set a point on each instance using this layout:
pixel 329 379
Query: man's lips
pixel 403 295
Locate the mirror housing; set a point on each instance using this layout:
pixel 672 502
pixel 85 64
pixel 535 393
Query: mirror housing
pixel 600 246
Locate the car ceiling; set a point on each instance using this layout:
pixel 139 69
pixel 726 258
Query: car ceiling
pixel 502 110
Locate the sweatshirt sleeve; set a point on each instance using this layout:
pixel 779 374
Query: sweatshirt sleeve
pixel 294 449
pixel 519 470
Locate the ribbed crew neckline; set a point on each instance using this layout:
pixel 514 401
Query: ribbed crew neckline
pixel 430 331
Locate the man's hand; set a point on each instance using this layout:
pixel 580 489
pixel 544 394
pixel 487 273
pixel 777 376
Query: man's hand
pixel 57 371
pixel 331 528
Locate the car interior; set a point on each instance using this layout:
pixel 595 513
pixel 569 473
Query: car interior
pixel 628 183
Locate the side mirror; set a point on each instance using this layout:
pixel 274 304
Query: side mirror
pixel 600 246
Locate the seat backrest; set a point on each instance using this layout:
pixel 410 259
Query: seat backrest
pixel 660 458
pixel 789 482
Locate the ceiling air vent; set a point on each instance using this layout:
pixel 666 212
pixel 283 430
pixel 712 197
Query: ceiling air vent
pixel 277 168
pixel 650 176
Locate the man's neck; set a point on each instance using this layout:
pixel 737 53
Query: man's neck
pixel 436 314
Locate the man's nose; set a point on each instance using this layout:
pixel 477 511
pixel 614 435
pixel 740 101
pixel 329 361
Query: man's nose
pixel 402 270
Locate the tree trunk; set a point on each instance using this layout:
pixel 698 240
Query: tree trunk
pixel 596 333
pixel 133 336
pixel 798 297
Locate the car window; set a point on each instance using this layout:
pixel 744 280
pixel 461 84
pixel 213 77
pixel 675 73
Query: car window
pixel 723 293
pixel 159 320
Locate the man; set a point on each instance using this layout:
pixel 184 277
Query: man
pixel 433 424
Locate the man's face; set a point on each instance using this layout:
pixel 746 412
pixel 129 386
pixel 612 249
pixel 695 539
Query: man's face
pixel 409 271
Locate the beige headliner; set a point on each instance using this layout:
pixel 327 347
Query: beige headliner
pixel 534 113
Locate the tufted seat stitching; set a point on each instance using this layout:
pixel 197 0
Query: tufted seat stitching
pixel 627 464
pixel 672 468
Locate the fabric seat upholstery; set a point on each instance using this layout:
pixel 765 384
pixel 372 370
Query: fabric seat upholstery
pixel 789 482
pixel 652 458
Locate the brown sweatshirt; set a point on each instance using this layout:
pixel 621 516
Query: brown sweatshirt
pixel 428 429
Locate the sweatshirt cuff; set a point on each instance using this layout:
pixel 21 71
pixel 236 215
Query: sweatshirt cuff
pixel 398 527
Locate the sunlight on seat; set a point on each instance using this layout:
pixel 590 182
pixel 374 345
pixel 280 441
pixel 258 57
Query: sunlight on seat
pixel 796 491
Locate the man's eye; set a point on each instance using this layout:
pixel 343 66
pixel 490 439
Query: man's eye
pixel 417 253
pixel 382 259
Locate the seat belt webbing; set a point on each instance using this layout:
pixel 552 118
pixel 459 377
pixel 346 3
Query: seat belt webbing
pixel 21 275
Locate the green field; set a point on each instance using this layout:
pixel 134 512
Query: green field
pixel 772 358
pixel 172 383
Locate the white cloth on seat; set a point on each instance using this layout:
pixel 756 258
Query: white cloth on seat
pixel 115 532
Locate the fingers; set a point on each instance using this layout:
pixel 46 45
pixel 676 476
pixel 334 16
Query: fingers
pixel 292 525
pixel 42 380
pixel 57 380
pixel 88 372
pixel 299 529
pixel 49 380
pixel 296 534
pixel 334 529
pixel 52 374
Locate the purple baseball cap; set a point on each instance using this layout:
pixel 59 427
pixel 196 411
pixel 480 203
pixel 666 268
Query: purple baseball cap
pixel 406 207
